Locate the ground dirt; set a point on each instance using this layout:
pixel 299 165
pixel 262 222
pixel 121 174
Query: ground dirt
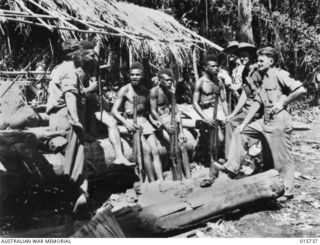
pixel 299 217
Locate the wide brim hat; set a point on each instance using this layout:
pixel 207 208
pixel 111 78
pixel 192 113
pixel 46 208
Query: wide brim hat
pixel 232 46
pixel 245 47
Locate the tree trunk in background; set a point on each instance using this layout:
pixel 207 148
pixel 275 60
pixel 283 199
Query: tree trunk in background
pixel 245 21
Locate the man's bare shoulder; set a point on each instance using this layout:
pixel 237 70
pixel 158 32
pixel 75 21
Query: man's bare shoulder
pixel 125 88
pixel 154 90
pixel 203 78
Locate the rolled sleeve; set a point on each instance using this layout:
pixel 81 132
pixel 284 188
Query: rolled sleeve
pixel 287 81
pixel 69 83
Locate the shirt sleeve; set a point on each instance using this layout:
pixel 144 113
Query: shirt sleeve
pixel 69 83
pixel 287 81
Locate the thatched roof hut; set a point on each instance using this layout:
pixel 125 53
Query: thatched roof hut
pixel 140 29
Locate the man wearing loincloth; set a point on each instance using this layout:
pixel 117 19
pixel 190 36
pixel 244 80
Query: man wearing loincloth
pixel 160 103
pixel 149 142
pixel 208 89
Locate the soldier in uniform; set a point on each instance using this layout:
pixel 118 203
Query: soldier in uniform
pixel 251 81
pixel 149 140
pixel 278 90
pixel 66 106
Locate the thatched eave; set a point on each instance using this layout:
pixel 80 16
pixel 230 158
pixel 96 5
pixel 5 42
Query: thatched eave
pixel 138 27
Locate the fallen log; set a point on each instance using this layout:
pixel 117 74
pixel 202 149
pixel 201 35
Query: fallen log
pixel 179 214
pixel 102 225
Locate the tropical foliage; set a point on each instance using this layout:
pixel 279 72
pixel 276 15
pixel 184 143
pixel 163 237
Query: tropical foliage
pixel 291 26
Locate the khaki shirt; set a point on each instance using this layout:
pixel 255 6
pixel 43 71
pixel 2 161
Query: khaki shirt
pixel 276 84
pixel 64 78
pixel 251 86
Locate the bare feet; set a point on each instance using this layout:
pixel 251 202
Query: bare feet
pixel 223 168
pixel 219 166
pixel 124 161
pixel 207 182
pixel 285 198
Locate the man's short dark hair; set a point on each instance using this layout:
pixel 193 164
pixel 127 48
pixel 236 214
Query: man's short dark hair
pixel 267 51
pixel 164 71
pixel 209 58
pixel 136 65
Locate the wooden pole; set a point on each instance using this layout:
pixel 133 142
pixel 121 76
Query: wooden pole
pixel 17 73
pixel 31 13
pixel 194 63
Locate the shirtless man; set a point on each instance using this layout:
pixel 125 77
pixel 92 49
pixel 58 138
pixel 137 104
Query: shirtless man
pixel 93 114
pixel 207 90
pixel 160 102
pixel 149 141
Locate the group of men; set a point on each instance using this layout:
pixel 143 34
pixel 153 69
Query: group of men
pixel 262 87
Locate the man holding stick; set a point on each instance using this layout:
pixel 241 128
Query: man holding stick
pixel 161 103
pixel 277 91
pixel 209 90
pixel 148 139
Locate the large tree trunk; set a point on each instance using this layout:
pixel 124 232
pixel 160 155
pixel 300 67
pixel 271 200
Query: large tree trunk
pixel 245 21
pixel 173 214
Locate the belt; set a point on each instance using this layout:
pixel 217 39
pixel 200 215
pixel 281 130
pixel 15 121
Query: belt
pixel 206 105
pixel 130 115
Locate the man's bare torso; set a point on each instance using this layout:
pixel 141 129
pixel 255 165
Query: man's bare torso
pixel 163 101
pixel 209 89
pixel 141 100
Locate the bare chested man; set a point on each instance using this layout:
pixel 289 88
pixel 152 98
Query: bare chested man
pixel 208 89
pixel 149 141
pixel 160 102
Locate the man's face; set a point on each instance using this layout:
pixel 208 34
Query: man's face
pixel 264 62
pixel 89 61
pixel 244 57
pixel 166 81
pixel 136 76
pixel 212 68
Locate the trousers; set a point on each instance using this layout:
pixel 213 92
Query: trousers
pixel 276 142
pixel 74 157
pixel 230 127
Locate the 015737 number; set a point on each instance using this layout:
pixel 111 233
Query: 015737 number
pixel 308 240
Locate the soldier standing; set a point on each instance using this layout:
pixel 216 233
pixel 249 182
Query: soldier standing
pixel 277 91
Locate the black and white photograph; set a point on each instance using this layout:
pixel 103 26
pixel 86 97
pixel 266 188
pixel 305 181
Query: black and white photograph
pixel 159 119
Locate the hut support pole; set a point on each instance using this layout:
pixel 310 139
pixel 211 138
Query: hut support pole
pixel 194 63
pixel 130 56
